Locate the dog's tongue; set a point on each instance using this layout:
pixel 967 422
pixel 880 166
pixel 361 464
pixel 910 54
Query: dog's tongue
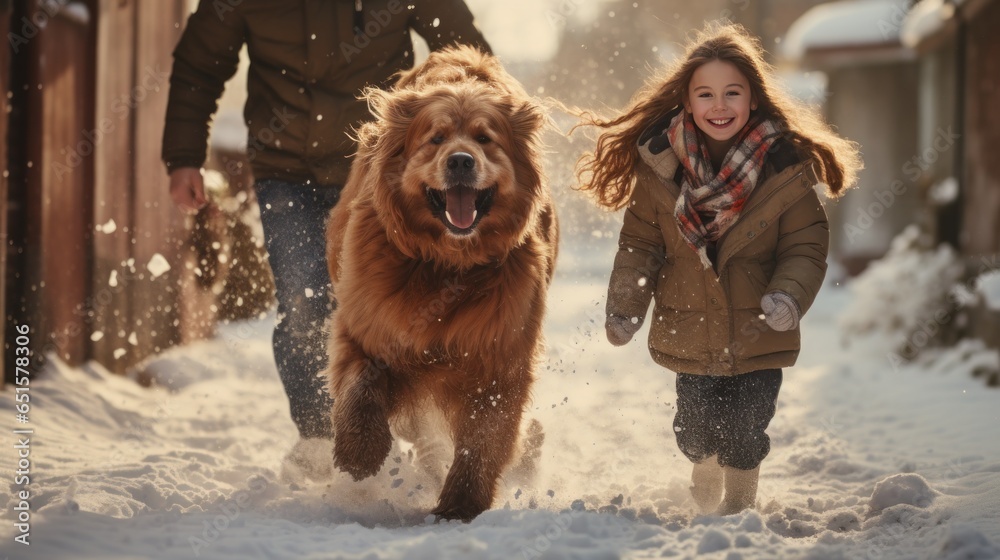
pixel 461 207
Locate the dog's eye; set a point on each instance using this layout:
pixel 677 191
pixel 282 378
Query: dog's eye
pixel 437 139
pixel 483 139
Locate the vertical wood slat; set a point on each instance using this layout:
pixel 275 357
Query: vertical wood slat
pixel 158 224
pixel 113 185
pixel 981 219
pixel 58 178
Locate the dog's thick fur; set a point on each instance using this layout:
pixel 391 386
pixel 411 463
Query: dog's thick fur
pixel 434 310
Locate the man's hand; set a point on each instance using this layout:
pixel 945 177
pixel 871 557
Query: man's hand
pixel 187 188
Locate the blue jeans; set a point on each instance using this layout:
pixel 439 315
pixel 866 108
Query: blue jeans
pixel 294 219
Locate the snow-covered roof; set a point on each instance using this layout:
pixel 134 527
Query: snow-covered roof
pixel 808 87
pixel 846 24
pixel 926 19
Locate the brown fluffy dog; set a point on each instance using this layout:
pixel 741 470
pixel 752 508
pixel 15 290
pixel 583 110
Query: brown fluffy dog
pixel 441 250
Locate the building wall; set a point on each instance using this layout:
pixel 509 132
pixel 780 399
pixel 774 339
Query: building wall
pixel 876 106
pixel 134 304
pixel 88 203
pixel 59 177
pixel 940 139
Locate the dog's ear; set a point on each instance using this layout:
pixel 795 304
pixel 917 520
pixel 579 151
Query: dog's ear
pixel 527 119
pixel 394 112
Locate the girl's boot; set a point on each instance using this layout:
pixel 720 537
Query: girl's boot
pixel 741 490
pixel 706 484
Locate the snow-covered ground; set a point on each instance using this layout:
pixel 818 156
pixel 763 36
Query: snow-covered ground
pixel 869 461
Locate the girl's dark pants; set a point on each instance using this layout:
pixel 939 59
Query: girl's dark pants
pixel 726 416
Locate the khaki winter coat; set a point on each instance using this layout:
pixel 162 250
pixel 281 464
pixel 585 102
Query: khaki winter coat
pixel 307 67
pixel 709 321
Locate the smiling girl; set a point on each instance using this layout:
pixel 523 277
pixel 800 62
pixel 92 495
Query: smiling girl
pixel 717 169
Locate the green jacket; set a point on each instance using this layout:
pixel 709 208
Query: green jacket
pixel 710 323
pixel 307 67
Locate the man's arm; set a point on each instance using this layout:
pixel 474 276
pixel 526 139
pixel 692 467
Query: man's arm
pixel 205 58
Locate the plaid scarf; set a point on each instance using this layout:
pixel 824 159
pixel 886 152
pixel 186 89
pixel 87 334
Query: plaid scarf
pixel 711 202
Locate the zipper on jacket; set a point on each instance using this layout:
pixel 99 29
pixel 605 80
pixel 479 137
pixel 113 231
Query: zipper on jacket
pixel 359 18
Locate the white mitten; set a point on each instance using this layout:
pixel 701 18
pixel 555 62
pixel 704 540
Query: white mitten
pixel 780 311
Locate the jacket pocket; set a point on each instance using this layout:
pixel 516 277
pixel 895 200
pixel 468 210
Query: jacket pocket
pixel 682 334
pixel 752 337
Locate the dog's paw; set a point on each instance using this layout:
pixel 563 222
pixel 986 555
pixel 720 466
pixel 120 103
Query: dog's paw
pixel 464 512
pixel 463 496
pixel 358 470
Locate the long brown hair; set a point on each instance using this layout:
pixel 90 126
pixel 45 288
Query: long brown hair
pixel 609 172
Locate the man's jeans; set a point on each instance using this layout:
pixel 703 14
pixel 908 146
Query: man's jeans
pixel 294 219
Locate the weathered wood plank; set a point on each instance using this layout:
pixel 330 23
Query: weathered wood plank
pixel 158 224
pixel 113 184
pixel 58 178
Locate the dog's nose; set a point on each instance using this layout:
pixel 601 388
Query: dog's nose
pixel 461 161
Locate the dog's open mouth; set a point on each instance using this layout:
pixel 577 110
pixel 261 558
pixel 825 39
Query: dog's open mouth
pixel 460 207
